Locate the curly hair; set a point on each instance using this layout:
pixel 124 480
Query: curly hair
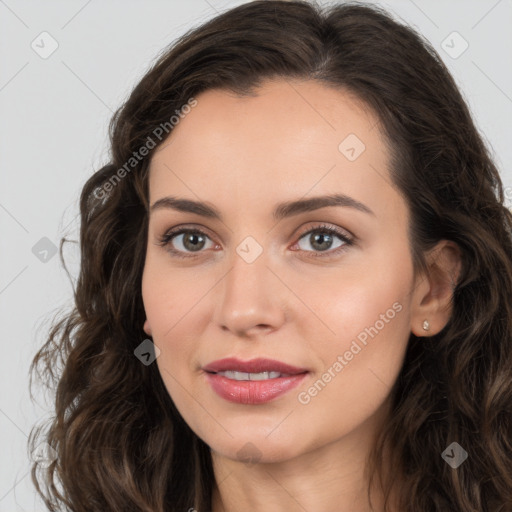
pixel 120 442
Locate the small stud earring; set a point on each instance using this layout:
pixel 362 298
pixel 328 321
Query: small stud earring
pixel 426 325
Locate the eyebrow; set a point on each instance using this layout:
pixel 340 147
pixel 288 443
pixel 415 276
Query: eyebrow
pixel 282 210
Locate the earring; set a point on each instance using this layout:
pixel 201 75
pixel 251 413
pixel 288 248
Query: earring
pixel 426 325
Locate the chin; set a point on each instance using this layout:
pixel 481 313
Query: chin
pixel 257 450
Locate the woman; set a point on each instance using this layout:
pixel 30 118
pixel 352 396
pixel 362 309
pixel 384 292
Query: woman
pixel 296 197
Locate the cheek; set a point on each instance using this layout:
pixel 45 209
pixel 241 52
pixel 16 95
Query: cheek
pixel 170 296
pixel 171 301
pixel 355 298
pixel 367 312
pixel 358 308
pixel 360 363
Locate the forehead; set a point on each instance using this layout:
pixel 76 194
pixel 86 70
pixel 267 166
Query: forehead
pixel 277 112
pixel 289 138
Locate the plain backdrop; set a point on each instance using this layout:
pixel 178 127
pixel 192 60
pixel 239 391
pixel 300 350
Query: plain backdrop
pixel 55 111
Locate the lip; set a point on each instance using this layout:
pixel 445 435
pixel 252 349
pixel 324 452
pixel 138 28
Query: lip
pixel 257 391
pixel 252 392
pixel 258 365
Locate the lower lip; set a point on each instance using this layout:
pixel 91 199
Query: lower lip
pixel 255 391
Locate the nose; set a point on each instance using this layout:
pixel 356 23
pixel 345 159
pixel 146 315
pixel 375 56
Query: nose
pixel 250 300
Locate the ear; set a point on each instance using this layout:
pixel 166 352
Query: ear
pixel 433 293
pixel 147 328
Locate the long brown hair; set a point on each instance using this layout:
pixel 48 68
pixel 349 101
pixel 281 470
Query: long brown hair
pixel 120 443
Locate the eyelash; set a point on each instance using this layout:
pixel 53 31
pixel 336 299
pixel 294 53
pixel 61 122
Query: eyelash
pixel 165 240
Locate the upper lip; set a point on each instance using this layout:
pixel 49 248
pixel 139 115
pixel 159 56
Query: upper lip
pixel 252 366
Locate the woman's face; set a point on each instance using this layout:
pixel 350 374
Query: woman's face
pixel 263 279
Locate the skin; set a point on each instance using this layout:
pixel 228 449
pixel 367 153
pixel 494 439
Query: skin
pixel 243 156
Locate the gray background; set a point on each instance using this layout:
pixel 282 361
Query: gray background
pixel 53 135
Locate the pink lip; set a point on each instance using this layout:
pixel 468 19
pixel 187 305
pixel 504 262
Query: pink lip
pixel 252 366
pixel 252 392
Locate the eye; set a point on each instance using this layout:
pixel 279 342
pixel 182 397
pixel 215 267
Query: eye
pixel 188 240
pixel 320 238
pixel 184 242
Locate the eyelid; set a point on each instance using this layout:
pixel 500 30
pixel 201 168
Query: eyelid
pixel 196 228
pixel 339 231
